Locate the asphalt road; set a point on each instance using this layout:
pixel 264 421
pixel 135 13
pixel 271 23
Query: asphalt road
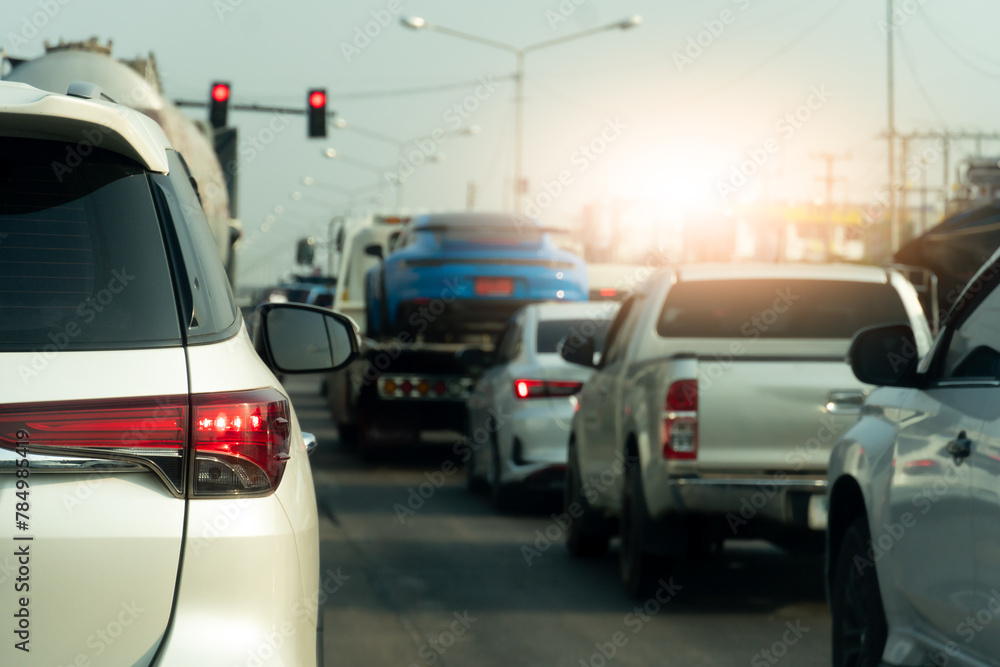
pixel 453 583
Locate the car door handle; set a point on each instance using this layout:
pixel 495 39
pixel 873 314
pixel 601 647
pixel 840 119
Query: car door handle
pixel 960 447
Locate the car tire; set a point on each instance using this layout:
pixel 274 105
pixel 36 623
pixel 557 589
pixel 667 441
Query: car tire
pixel 502 494
pixel 638 569
pixel 385 327
pixel 379 431
pixel 587 533
pixel 860 628
pixel 474 482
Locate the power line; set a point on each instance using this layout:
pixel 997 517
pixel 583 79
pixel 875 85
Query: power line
pixel 908 59
pixel 927 17
pixel 774 56
pixel 941 38
pixel 416 90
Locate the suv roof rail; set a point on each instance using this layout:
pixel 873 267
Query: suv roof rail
pixel 88 91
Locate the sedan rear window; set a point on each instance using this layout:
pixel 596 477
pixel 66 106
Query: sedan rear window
pixel 552 331
pixel 508 235
pixel 82 261
pixel 777 309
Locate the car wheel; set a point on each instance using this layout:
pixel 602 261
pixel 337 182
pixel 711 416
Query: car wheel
pixel 474 481
pixel 385 327
pixel 859 624
pixel 638 569
pixel 502 494
pixel 587 533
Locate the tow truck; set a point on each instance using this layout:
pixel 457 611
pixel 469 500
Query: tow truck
pixel 430 295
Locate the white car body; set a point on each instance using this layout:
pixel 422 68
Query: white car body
pixel 530 434
pixel 125 569
pixel 767 411
pixel 932 514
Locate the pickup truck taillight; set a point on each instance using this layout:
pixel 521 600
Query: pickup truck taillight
pixel 239 440
pixel 524 389
pixel 679 432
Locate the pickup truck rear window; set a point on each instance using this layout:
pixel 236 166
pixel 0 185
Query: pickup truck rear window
pixel 777 309
pixel 82 260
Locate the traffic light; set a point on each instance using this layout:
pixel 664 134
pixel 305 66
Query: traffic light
pixel 316 109
pixel 218 104
pixel 305 251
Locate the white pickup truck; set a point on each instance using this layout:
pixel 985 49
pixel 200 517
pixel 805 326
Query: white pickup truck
pixel 713 411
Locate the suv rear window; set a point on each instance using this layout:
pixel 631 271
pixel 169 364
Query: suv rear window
pixel 82 261
pixel 777 309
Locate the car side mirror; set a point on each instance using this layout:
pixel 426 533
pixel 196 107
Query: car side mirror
pixel 578 350
pixel 373 250
pixel 296 338
pixel 885 356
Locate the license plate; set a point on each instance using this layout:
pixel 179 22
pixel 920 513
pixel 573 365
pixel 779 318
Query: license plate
pixel 494 286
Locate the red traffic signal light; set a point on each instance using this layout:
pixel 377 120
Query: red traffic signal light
pixel 316 110
pixel 220 92
pixel 218 105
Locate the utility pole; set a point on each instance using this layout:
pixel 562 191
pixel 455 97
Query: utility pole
pixel 901 215
pixel 470 196
pixel 891 131
pixel 829 158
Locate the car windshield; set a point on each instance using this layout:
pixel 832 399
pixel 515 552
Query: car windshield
pixel 550 332
pixel 777 309
pixel 81 252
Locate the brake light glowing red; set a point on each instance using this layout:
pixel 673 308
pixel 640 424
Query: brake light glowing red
pixel 545 388
pixel 150 431
pixel 679 430
pixel 240 440
pixel 608 292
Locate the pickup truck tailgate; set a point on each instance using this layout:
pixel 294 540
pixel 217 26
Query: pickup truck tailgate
pixel 767 409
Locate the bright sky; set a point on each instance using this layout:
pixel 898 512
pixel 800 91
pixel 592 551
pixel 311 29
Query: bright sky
pixel 663 117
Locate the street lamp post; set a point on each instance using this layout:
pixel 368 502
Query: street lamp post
pixel 417 23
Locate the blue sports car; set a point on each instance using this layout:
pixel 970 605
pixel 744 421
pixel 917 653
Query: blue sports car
pixel 451 276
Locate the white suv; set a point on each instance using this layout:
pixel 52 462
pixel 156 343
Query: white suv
pixel 156 500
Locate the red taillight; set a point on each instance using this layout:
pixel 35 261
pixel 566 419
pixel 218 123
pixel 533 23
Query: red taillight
pixel 683 396
pixel 151 431
pixel 608 292
pixel 679 431
pixel 240 442
pixel 545 388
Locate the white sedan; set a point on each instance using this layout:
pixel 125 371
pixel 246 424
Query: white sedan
pixel 521 408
